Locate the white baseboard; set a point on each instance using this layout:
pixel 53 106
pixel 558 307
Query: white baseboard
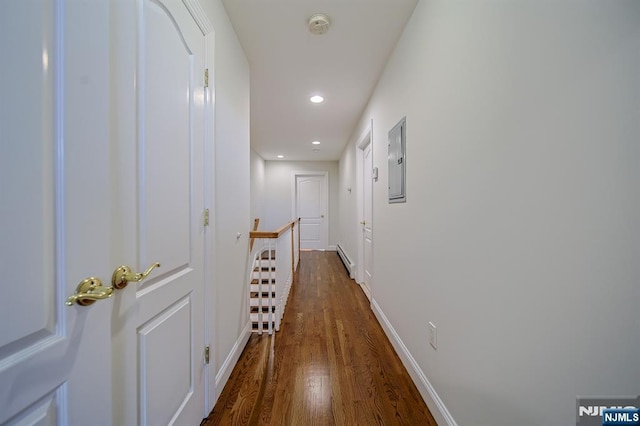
pixel 431 398
pixel 365 290
pixel 331 248
pixel 232 359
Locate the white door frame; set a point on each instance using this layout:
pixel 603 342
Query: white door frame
pixel 294 198
pixel 363 141
pixel 210 300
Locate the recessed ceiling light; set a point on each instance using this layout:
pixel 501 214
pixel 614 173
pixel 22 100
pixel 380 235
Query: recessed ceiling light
pixel 280 156
pixel 316 99
pixel 316 142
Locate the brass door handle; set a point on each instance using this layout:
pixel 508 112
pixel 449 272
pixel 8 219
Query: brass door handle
pixel 88 291
pixel 363 222
pixel 91 289
pixel 123 275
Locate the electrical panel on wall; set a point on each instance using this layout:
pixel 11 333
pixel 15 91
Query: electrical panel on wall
pixel 397 162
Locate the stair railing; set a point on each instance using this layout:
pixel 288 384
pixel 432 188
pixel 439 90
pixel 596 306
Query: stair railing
pixel 276 255
pixel 256 222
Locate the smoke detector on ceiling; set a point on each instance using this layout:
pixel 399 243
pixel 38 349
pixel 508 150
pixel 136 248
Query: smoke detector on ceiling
pixel 319 23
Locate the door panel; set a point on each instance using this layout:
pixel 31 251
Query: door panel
pixel 28 231
pixel 41 413
pixel 311 232
pixel 311 208
pixel 54 182
pixel 159 402
pixel 309 197
pixel 165 141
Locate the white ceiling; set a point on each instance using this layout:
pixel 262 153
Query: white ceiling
pixel 289 64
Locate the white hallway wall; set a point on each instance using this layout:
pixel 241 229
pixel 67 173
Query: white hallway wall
pixel 520 237
pixel 278 199
pixel 232 184
pixel 349 216
pixel 257 186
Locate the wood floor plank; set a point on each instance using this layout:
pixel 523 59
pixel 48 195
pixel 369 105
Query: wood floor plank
pixel 330 363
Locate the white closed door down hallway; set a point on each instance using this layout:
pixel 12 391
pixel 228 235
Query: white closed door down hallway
pixel 310 205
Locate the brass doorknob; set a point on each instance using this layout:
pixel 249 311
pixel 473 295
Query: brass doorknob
pixel 91 289
pixel 123 275
pixel 363 222
pixel 88 291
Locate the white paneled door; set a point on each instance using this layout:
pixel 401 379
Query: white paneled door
pixel 311 199
pixel 101 165
pixel 54 211
pixel 158 336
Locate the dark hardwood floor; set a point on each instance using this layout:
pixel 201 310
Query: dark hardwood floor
pixel 330 363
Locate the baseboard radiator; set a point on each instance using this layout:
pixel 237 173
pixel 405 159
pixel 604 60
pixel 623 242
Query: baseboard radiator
pixel 348 264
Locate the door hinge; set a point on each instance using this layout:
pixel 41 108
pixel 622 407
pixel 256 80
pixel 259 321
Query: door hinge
pixel 206 217
pixel 207 352
pixel 206 77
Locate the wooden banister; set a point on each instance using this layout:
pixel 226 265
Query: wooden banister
pixel 272 234
pixel 256 221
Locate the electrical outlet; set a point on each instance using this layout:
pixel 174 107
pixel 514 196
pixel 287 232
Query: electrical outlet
pixel 433 336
